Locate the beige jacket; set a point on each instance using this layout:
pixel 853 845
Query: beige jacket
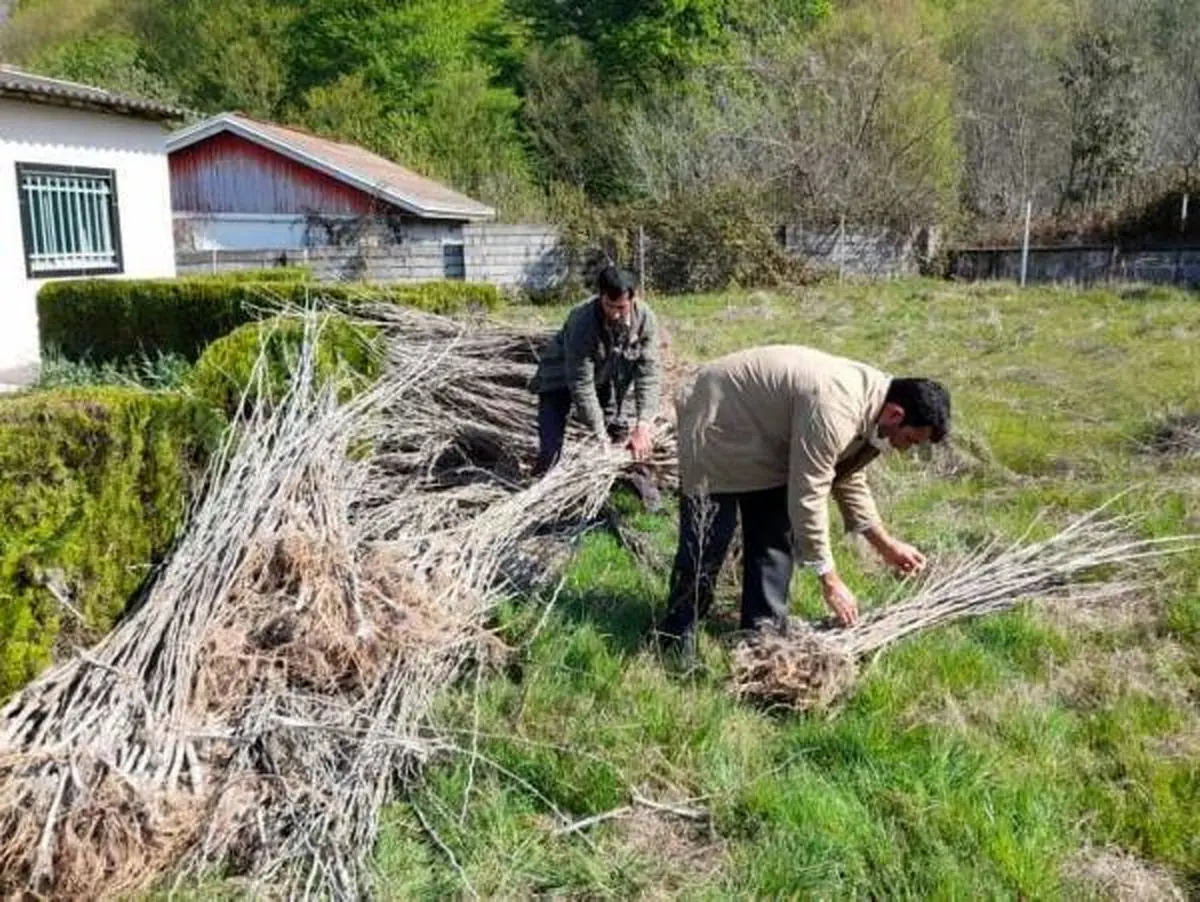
pixel 785 415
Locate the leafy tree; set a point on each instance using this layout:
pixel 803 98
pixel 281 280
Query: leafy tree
pixel 576 131
pixel 641 44
pixel 112 61
pixel 1101 82
pixel 426 72
pixel 219 54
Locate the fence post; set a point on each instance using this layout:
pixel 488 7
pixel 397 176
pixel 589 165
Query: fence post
pixel 642 259
pixel 214 261
pixel 839 249
pixel 1025 243
pixel 1183 211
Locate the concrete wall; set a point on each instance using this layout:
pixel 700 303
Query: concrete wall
pixel 1081 265
pixel 854 251
pixel 134 149
pixel 515 256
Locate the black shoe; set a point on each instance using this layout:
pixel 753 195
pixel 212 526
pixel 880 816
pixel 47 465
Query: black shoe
pixel 682 646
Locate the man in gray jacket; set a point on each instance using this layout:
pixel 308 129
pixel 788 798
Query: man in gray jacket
pixel 773 433
pixel 608 345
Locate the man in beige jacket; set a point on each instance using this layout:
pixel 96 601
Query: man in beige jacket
pixel 773 432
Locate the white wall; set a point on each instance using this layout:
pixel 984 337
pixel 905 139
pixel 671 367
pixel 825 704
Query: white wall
pixel 134 149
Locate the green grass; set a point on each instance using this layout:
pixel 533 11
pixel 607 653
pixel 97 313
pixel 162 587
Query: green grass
pixel 977 761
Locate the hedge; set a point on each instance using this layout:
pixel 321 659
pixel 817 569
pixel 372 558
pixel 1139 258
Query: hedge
pixel 270 274
pixel 94 483
pixel 350 354
pixel 117 319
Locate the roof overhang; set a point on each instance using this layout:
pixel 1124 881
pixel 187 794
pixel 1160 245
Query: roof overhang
pixel 18 85
pixel 201 131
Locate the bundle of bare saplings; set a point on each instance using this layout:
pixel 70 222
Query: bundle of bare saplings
pixel 254 713
pixel 1094 559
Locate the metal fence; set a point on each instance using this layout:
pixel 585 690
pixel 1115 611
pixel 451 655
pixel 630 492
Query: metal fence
pixel 1080 264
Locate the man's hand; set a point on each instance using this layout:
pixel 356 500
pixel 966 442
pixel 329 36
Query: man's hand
pixel 900 556
pixel 641 442
pixel 839 598
pixel 904 558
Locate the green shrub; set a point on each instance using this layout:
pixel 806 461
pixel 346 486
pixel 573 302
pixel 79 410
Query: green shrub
pixel 706 241
pixel 352 355
pixel 93 486
pixel 269 274
pixel 116 319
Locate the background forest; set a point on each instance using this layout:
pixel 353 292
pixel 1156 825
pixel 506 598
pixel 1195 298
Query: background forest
pixel 902 113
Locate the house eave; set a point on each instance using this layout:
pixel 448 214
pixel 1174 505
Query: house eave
pixel 132 109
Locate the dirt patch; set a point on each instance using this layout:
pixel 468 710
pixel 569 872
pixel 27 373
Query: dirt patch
pixel 1093 681
pixel 1134 615
pixel 677 372
pixel 1144 663
pixel 682 853
pixel 1116 875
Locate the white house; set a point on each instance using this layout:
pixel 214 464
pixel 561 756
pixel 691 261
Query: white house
pixel 85 190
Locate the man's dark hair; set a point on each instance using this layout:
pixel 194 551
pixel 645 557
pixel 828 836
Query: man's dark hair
pixel 612 282
pixel 925 403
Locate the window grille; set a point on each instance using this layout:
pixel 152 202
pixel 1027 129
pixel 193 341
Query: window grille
pixel 70 222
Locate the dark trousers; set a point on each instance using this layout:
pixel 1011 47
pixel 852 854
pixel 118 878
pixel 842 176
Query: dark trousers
pixel 706 528
pixel 554 411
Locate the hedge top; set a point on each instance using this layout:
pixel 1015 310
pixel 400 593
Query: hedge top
pixel 119 319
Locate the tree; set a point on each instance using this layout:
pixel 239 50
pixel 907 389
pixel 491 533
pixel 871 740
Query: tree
pixel 218 54
pixel 855 119
pixel 575 132
pixel 1173 91
pixel 422 79
pixel 1012 119
pixel 1101 82
pixel 642 45
pixel 112 61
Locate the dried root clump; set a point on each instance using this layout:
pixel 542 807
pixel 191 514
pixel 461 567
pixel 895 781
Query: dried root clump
pixel 798 670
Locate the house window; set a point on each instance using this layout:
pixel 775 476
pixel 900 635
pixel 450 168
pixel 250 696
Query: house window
pixel 454 263
pixel 69 220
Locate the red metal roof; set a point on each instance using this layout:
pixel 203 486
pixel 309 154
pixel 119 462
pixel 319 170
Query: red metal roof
pixel 347 163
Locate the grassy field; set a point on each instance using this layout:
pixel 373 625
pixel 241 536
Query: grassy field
pixel 1039 754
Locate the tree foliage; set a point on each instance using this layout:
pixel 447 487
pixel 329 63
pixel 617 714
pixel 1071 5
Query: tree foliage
pixel 906 112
